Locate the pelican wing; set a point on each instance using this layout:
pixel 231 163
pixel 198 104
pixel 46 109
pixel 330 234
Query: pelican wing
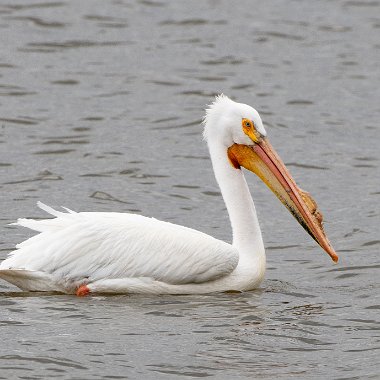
pixel 92 246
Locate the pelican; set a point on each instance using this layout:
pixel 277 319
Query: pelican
pixel 103 252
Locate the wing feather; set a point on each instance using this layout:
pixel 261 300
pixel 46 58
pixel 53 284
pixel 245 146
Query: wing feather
pixel 95 246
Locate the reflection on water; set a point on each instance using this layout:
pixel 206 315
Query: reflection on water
pixel 100 109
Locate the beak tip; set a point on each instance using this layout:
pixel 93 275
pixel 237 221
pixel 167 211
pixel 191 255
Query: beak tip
pixel 334 256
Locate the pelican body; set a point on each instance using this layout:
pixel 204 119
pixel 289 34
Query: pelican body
pixel 101 252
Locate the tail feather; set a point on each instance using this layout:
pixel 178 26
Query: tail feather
pixel 35 225
pixel 49 209
pixel 45 224
pixel 30 280
pixel 68 210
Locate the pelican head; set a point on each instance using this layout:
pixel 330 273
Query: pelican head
pixel 239 128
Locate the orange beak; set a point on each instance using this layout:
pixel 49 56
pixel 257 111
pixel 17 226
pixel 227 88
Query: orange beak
pixel 263 160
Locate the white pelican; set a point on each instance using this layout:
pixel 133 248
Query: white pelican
pixel 101 252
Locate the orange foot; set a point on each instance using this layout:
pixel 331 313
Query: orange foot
pixel 82 291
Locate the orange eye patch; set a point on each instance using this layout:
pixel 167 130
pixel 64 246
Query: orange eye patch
pixel 246 123
pixel 249 130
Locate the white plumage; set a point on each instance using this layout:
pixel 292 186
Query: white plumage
pixel 93 246
pixel 127 253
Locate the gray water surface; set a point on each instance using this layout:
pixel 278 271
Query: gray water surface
pixel 100 110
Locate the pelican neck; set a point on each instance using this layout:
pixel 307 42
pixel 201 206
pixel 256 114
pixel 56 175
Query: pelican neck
pixel 246 231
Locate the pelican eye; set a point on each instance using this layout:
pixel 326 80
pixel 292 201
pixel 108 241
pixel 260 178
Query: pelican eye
pixel 250 130
pixel 247 124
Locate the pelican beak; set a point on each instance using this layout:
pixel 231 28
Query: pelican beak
pixel 263 160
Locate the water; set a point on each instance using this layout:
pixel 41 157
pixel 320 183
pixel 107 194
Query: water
pixel 99 110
